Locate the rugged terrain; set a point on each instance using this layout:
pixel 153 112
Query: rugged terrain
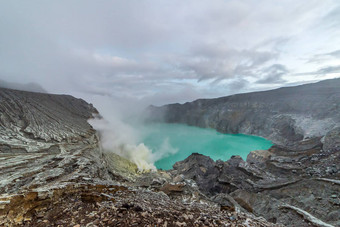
pixel 54 173
pixel 297 181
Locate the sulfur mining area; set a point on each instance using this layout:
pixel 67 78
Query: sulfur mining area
pixel 55 172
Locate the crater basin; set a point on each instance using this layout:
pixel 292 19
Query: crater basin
pixel 171 143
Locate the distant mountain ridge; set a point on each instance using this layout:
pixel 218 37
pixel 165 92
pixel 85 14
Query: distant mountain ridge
pixel 286 115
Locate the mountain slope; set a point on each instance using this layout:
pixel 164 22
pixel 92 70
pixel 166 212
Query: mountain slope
pixel 31 122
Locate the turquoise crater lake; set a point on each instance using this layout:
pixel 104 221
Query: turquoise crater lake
pixel 171 143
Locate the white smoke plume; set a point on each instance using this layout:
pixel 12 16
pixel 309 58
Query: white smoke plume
pixel 165 150
pixel 118 136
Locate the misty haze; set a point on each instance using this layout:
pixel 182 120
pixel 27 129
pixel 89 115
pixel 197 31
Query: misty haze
pixel 170 113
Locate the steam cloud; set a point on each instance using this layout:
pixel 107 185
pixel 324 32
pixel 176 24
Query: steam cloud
pixel 117 137
pixel 164 151
pixel 122 138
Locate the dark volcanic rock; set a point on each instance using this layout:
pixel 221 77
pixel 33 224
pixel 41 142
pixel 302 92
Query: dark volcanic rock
pixel 286 115
pixel 332 140
pixel 109 205
pixel 199 168
pixel 276 184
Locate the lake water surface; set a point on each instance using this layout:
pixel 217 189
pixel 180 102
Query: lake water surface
pixel 171 143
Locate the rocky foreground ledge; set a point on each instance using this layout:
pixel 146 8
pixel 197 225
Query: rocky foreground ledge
pixel 53 173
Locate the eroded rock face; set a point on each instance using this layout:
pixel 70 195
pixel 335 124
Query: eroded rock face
pixel 35 122
pixel 46 140
pixel 286 116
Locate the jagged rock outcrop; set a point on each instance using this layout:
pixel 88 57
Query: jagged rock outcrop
pixel 286 116
pixel 103 205
pixel 282 186
pixel 54 173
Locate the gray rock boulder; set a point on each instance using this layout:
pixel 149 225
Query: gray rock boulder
pixel 284 186
pixel 332 140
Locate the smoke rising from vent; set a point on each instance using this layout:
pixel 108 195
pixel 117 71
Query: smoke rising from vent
pixel 121 131
pixel 118 137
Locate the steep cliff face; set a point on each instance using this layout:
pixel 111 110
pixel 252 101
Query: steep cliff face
pixel 46 141
pixel 32 122
pixel 286 115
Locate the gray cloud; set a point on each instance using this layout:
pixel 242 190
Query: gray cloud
pixel 324 57
pixel 323 71
pixel 332 19
pixel 237 84
pixel 334 54
pixel 34 87
pixel 220 63
pixel 159 51
pixel 273 74
pixel 328 70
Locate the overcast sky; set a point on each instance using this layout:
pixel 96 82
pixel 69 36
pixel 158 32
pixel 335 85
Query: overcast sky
pixel 160 51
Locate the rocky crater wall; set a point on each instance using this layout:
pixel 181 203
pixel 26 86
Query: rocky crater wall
pixel 287 116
